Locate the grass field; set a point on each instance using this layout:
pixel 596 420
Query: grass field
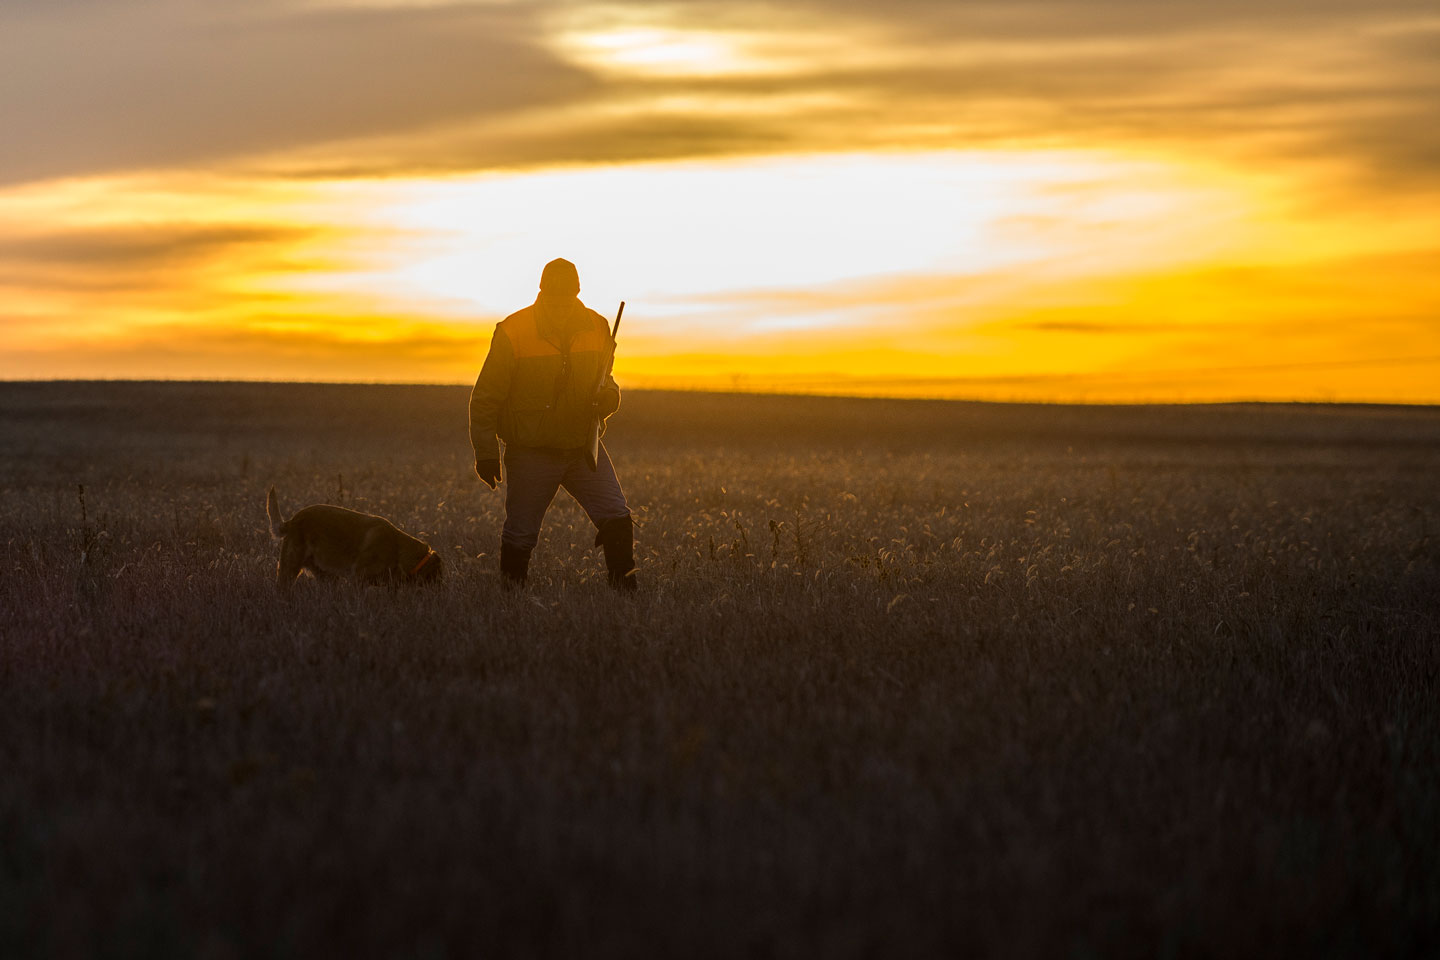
pixel 905 678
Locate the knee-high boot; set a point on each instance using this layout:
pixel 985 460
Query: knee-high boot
pixel 617 536
pixel 514 565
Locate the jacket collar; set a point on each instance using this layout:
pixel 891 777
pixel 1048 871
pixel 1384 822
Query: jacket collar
pixel 558 319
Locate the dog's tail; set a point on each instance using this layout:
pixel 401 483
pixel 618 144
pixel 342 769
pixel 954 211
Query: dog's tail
pixel 272 510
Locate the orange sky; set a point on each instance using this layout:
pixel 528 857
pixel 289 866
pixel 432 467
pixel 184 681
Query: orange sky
pixel 1061 200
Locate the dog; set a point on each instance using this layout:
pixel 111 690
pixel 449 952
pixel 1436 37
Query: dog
pixel 333 541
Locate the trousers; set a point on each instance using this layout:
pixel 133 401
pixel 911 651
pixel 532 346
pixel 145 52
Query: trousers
pixel 534 474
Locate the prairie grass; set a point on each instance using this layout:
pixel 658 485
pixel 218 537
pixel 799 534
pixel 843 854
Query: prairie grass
pixel 905 678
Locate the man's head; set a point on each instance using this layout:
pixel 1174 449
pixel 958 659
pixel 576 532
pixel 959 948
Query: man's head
pixel 560 279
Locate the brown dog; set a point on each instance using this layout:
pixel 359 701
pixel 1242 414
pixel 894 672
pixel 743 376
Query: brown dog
pixel 332 541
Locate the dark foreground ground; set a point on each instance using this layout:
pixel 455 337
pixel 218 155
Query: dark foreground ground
pixel 905 679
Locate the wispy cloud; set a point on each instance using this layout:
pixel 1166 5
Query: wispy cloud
pixel 381 88
pixel 137 250
pixel 92 87
pixel 381 348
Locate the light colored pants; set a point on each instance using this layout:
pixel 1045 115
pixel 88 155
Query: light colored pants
pixel 533 474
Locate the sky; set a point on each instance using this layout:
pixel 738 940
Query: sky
pixel 1059 200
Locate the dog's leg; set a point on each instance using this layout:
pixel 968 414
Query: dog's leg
pixel 292 558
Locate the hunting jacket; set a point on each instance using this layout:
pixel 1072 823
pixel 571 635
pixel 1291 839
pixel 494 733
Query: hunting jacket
pixel 538 387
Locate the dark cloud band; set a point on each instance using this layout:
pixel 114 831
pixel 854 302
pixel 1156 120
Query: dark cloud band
pixel 371 90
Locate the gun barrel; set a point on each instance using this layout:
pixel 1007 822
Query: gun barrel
pixel 592 450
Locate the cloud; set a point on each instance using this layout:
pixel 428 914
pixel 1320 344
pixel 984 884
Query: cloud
pixel 280 348
pixel 153 264
pixel 562 138
pixel 377 89
pixel 1329 83
pixel 90 87
pixel 1086 326
pixel 1337 84
pixel 139 248
pixel 1047 20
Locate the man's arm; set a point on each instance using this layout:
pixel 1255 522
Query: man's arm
pixel 607 398
pixel 607 395
pixel 491 389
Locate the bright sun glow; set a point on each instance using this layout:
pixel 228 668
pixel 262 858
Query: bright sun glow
pixel 658 43
pixel 655 50
pixel 1053 274
pixel 693 241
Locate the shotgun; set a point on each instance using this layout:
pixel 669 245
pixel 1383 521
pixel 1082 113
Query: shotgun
pixel 592 449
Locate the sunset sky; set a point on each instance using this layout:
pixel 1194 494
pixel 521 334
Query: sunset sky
pixel 1042 199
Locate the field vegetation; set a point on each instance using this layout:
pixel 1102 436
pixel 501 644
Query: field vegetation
pixel 904 678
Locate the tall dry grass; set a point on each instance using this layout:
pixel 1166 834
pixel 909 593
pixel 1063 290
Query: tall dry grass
pixel 904 679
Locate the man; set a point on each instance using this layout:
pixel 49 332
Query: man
pixel 544 383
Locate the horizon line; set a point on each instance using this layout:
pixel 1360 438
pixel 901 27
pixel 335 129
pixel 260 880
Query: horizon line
pixel 733 390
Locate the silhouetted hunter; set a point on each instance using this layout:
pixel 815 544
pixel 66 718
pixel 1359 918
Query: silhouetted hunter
pixel 545 386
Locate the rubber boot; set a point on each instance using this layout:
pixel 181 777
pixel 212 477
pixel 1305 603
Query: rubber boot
pixel 617 536
pixel 514 566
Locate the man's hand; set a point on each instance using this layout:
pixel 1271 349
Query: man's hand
pixel 606 402
pixel 488 471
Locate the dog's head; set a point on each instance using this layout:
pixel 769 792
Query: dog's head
pixel 429 569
